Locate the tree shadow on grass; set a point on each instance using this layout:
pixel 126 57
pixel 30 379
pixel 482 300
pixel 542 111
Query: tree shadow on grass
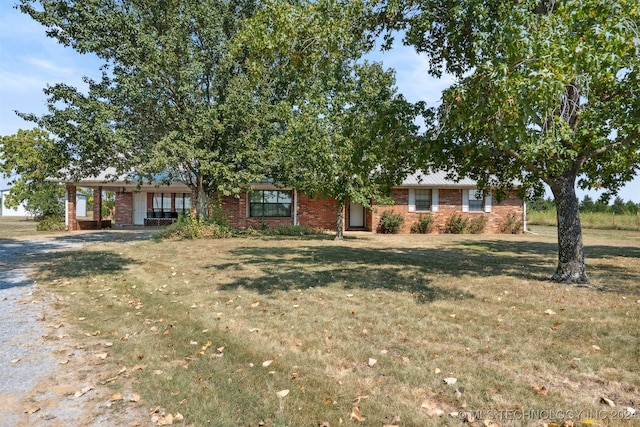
pixel 606 276
pixel 419 271
pixel 82 263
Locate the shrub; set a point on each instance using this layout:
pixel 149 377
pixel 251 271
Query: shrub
pixel 390 223
pixel 424 225
pixel 477 225
pixel 188 227
pixel 52 223
pixel 456 224
pixel 293 230
pixel 511 225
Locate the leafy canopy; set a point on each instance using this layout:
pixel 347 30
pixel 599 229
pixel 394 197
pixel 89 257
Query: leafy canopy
pixel 172 99
pixel 546 89
pixel 29 157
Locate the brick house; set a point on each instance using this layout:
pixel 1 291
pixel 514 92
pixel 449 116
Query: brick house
pixel 269 206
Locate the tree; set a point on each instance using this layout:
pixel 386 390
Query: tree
pixel 348 135
pixel 587 204
pixel 30 157
pixel 547 91
pixel 172 102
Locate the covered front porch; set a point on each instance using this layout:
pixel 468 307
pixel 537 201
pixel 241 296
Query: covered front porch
pixel 133 204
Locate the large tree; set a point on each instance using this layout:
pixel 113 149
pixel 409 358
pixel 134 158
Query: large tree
pixel 349 135
pixel 28 158
pixel 547 90
pixel 172 102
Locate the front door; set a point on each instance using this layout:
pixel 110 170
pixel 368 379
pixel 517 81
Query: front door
pixel 139 208
pixel 356 215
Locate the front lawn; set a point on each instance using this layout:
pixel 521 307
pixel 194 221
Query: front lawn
pixel 370 331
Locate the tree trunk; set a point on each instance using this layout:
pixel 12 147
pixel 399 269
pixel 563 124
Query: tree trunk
pixel 571 264
pixel 340 222
pixel 202 202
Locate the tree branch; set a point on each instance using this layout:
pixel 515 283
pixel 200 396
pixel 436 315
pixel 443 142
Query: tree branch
pixel 613 146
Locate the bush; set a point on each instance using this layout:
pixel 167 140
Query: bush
pixel 477 225
pixel 424 225
pixel 456 224
pixel 390 223
pixel 511 225
pixel 293 230
pixel 188 227
pixel 52 223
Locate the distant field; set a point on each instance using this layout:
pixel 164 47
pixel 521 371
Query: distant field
pixel 605 221
pixel 14 226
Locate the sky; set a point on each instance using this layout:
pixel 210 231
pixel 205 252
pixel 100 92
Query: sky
pixel 29 61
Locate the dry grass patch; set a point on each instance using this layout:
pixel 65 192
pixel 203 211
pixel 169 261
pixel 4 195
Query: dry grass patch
pixel 219 328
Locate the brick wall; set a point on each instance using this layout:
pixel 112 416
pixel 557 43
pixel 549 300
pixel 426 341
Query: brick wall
pixel 312 212
pixel 318 212
pixel 72 222
pixel 450 202
pixel 124 208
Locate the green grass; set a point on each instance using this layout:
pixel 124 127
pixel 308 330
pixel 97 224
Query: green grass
pixel 604 221
pixel 473 307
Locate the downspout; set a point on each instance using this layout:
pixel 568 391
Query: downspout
pixel 295 207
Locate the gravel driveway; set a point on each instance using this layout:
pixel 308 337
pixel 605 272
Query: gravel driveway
pixel 38 385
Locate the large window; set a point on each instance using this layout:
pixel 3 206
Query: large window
pixel 423 200
pixel 183 203
pixel 162 202
pixel 270 203
pixel 476 201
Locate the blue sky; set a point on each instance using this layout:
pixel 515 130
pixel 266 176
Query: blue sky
pixel 29 61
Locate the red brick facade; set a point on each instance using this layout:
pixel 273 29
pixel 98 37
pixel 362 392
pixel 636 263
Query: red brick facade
pixel 72 223
pixel 124 208
pixel 450 202
pixel 321 213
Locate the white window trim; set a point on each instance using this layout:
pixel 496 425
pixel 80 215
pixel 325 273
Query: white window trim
pixel 465 201
pixel 434 200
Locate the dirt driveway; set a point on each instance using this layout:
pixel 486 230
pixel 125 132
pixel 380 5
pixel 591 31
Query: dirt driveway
pixel 47 379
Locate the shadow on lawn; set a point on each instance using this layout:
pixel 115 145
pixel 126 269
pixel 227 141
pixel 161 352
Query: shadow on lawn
pixel 81 263
pixel 414 270
pixel 56 257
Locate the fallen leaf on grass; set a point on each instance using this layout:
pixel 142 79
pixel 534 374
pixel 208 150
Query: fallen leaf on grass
pixel 372 362
pixel 267 363
pixel 30 411
pixel 450 380
pixel 134 398
pixel 204 348
pixel 432 408
pixel 83 391
pixel 115 397
pixel 14 361
pixel 255 304
pixel 539 389
pixel 549 312
pixel 596 348
pixel 356 414
pixel 101 356
pixel 165 420
pixel 282 393
pixel 607 401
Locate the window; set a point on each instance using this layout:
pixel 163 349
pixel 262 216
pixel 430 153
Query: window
pixel 270 203
pixel 423 200
pixel 162 202
pixel 476 201
pixel 183 203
